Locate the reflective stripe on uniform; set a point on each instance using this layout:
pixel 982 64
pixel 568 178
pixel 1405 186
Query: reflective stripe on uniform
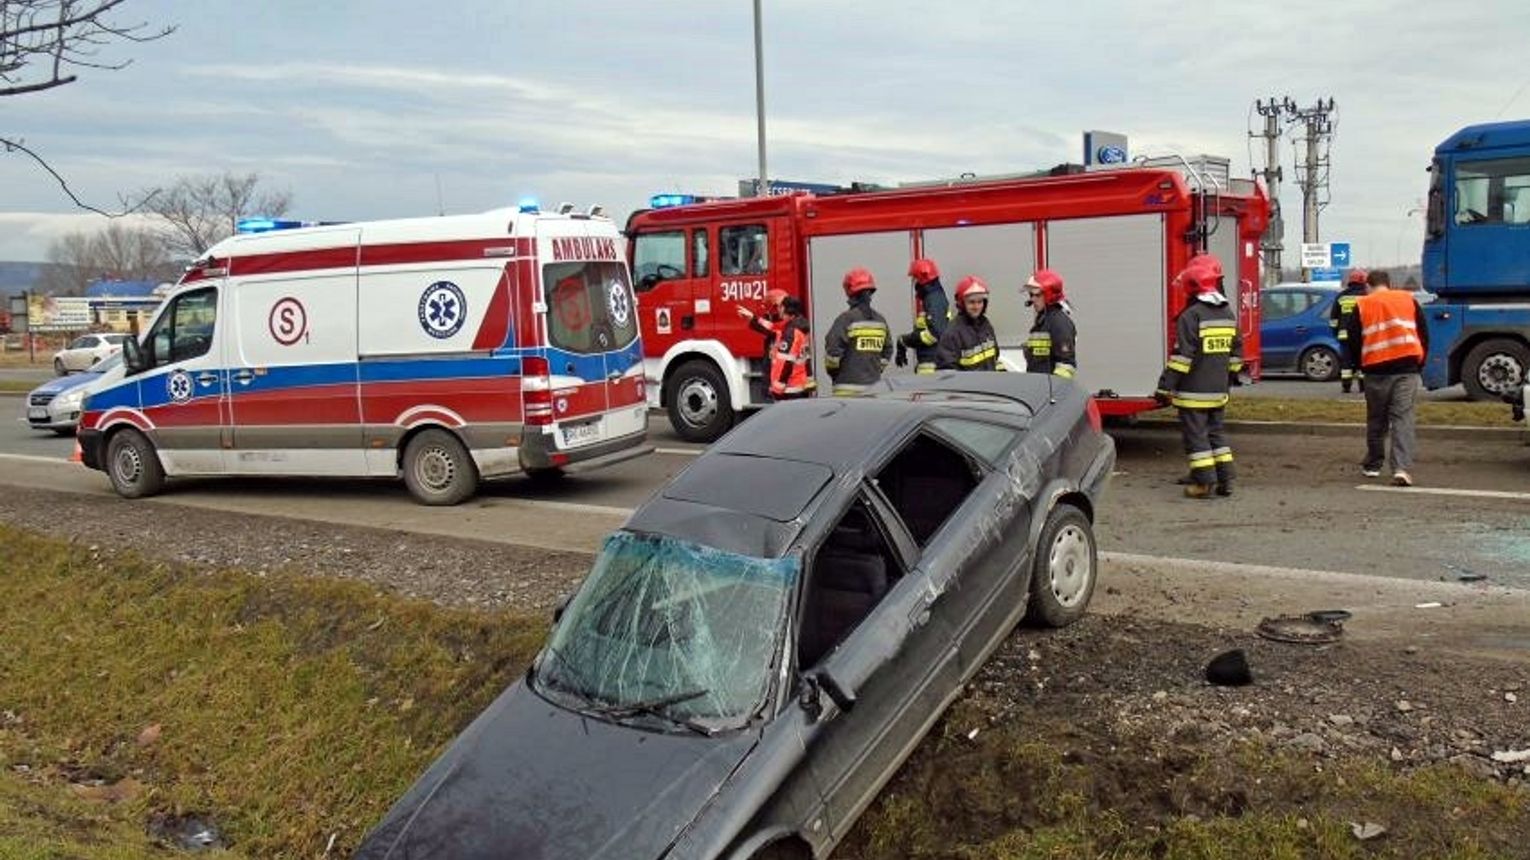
pixel 1235 364
pixel 1039 343
pixel 1222 455
pixel 1197 400
pixel 925 367
pixel 1063 370
pixel 1405 339
pixel 849 390
pixel 1373 328
pixel 1179 364
pixel 1202 460
pixel 978 354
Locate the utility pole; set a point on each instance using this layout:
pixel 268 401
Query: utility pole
pixel 1313 165
pixel 1273 241
pixel 759 95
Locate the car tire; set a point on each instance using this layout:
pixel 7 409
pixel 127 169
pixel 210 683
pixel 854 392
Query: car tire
pixel 699 407
pixel 438 469
pixel 58 367
pixel 133 465
pixel 1319 364
pixel 1065 569
pixel 1495 368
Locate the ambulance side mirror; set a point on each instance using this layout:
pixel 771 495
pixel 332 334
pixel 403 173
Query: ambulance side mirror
pixel 133 357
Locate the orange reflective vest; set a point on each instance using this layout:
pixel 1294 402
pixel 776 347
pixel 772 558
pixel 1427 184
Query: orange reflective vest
pixel 1388 328
pixel 791 370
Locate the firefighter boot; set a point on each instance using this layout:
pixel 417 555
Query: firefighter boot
pixel 1224 488
pixel 1198 491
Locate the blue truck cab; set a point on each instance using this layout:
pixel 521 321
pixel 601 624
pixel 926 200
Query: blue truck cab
pixel 1477 261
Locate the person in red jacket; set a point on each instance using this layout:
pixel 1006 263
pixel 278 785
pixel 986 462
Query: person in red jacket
pixel 788 345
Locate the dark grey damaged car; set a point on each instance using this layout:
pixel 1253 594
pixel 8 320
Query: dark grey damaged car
pixel 767 639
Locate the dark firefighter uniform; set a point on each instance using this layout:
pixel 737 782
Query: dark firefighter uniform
pixel 1052 345
pixel 1339 316
pixel 1208 352
pixel 788 348
pixel 933 319
pixel 968 344
pixel 858 347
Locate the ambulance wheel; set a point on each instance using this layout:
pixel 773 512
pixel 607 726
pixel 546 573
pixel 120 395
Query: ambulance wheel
pixel 699 408
pixel 133 466
pixel 1495 368
pixel 438 469
pixel 1319 364
pixel 1065 569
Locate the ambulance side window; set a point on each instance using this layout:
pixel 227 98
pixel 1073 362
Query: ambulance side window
pixel 699 258
pixel 658 257
pixel 744 250
pixel 185 329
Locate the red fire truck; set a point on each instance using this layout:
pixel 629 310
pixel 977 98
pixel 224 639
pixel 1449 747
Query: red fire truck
pixel 1117 237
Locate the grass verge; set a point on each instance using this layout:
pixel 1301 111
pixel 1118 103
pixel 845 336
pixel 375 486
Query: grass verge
pixel 17 386
pixel 1430 414
pixel 285 709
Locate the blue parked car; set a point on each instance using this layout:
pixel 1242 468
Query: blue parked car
pixel 55 405
pixel 1294 335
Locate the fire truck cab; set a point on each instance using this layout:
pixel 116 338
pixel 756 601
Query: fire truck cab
pixel 1116 236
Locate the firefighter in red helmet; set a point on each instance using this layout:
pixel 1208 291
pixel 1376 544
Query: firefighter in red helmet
pixel 932 316
pixel 1339 315
pixel 788 345
pixel 859 344
pixel 1052 345
pixel 1208 354
pixel 969 342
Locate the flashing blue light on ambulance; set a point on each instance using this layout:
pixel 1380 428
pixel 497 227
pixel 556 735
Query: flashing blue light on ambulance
pixel 266 225
pixel 664 201
pixel 528 204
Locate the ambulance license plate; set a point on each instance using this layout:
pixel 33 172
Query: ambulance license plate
pixel 37 413
pixel 578 434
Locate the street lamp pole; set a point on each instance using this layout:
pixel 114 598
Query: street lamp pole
pixel 759 96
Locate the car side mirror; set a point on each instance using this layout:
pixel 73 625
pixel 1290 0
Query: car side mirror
pixel 557 613
pixel 818 685
pixel 133 357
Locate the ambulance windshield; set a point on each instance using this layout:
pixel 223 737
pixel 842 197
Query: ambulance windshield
pixel 590 307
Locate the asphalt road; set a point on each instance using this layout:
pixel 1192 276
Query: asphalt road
pixel 1300 503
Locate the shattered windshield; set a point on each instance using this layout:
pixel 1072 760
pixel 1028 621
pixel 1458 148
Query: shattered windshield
pixel 671 629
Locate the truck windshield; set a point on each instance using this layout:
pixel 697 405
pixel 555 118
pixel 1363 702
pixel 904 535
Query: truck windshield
pixel 664 620
pixel 590 307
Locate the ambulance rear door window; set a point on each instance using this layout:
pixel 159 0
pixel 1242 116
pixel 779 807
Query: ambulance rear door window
pixel 590 306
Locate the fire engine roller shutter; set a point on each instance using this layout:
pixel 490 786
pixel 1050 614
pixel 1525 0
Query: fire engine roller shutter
pixel 1004 255
pixel 1114 271
pixel 1224 243
pixel 887 255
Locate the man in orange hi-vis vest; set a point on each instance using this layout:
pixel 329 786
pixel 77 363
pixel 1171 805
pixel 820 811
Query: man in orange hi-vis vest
pixel 1388 340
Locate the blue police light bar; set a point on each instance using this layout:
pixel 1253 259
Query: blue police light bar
pixel 266 225
pixel 664 201
pixel 528 204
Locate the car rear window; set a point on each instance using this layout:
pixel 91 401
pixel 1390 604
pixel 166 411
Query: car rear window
pixel 590 307
pixel 778 490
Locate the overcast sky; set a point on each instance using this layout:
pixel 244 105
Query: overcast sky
pixel 362 107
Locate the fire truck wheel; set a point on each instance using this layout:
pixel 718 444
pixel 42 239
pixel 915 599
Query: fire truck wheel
pixel 699 408
pixel 438 469
pixel 1495 368
pixel 1063 575
pixel 133 466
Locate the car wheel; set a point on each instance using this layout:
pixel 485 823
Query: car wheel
pixel 58 367
pixel 133 466
pixel 1065 569
pixel 699 407
pixel 1319 364
pixel 438 469
pixel 1495 368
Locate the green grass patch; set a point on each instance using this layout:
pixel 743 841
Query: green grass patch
pixel 1430 414
pixel 289 708
pixel 17 386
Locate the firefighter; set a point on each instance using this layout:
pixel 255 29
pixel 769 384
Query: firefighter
pixel 1208 354
pixel 1052 345
pixel 788 345
pixel 933 315
pixel 859 344
pixel 969 342
pixel 1339 315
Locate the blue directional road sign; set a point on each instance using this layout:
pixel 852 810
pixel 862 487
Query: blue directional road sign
pixel 1338 255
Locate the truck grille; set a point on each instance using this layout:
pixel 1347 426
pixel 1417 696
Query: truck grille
pixel 40 399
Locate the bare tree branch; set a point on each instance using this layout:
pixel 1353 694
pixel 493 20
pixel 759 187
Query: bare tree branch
pixel 42 40
pixel 116 251
pixel 198 211
pixel 15 145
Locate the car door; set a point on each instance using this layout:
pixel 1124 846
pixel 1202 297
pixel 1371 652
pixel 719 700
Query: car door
pixel 183 392
pixel 668 281
pixel 1276 339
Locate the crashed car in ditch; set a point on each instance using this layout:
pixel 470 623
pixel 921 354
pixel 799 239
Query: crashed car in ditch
pixel 765 641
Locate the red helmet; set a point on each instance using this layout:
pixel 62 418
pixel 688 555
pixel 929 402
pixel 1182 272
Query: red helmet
pixel 1210 262
pixel 859 281
pixel 1357 277
pixel 923 271
pixel 1200 276
pixel 1049 282
pixel 775 298
pixel 971 287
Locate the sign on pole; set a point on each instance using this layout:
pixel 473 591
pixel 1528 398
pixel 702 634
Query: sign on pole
pixel 1338 254
pixel 1316 255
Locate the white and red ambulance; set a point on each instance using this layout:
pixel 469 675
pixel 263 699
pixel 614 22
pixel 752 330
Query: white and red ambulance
pixel 443 349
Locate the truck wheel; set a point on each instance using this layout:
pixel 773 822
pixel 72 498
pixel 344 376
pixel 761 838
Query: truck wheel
pixel 1494 368
pixel 438 469
pixel 1065 569
pixel 1319 364
pixel 133 466
pixel 699 408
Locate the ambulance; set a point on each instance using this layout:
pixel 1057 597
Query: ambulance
pixel 442 350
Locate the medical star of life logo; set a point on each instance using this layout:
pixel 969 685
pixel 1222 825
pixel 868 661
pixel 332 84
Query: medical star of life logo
pixel 619 303
pixel 443 309
pixel 178 386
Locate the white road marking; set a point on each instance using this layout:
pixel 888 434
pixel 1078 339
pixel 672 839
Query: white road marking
pixel 1446 491
pixel 1263 571
pixel 572 507
pixel 32 458
pixel 683 452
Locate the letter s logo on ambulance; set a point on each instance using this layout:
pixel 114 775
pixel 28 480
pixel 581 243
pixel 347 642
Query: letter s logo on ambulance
pixel 288 321
pixel 443 309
